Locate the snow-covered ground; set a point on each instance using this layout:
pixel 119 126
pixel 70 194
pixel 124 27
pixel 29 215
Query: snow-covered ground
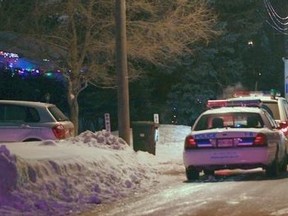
pixel 67 177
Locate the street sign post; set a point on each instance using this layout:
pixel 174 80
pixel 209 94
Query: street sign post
pixel 156 118
pixel 107 122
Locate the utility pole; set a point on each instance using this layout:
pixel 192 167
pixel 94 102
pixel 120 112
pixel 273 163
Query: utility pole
pixel 285 59
pixel 121 69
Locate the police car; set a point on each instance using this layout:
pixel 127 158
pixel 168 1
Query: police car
pixel 233 135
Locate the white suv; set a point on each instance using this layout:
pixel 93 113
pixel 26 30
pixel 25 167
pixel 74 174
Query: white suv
pixel 276 106
pixel 22 121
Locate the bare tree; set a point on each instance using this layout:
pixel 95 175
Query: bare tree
pixel 81 35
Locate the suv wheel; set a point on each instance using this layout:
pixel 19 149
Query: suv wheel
pixel 273 169
pixel 284 164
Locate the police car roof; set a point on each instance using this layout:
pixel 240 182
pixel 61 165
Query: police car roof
pixel 263 98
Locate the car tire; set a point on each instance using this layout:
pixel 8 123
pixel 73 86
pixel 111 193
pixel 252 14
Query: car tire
pixel 192 174
pixel 273 169
pixel 284 164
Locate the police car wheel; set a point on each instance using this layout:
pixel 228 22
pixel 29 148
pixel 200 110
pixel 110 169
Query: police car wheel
pixel 192 174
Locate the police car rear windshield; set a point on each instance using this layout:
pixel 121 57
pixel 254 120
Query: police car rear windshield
pixel 232 120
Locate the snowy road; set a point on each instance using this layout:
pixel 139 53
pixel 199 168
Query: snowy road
pixel 233 193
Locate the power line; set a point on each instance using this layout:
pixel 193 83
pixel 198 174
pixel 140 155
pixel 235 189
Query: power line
pixel 277 22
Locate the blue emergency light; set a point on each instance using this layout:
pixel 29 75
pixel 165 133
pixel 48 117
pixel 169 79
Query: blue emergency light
pixel 244 103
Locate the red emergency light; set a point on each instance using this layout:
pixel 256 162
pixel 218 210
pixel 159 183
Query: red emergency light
pixel 216 103
pixel 233 103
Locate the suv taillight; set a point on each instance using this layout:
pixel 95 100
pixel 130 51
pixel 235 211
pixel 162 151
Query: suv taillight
pixel 59 131
pixel 260 140
pixel 190 142
pixel 283 126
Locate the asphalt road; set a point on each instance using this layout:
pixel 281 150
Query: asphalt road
pixel 229 193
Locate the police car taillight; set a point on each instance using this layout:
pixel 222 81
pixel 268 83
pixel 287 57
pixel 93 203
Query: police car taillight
pixel 190 142
pixel 260 139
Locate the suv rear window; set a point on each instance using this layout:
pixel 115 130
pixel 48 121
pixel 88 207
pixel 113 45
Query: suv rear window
pixel 58 115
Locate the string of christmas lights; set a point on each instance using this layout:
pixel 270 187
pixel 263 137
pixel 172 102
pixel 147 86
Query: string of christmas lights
pixel 18 66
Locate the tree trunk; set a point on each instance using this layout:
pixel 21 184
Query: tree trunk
pixel 73 106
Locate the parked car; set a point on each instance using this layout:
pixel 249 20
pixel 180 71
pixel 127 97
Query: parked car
pixel 275 104
pixel 22 121
pixel 234 136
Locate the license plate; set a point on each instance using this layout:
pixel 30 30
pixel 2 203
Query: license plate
pixel 225 142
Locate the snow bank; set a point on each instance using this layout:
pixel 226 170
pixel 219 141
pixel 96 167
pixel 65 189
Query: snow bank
pixel 65 177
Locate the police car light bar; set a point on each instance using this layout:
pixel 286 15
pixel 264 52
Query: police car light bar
pixel 233 103
pixel 244 103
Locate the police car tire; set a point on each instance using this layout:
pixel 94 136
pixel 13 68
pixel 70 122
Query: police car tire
pixel 192 174
pixel 209 172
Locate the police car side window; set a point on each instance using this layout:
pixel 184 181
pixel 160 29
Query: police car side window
pixel 202 124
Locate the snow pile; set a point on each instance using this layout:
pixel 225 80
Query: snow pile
pixel 65 177
pixel 8 174
pixel 100 139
